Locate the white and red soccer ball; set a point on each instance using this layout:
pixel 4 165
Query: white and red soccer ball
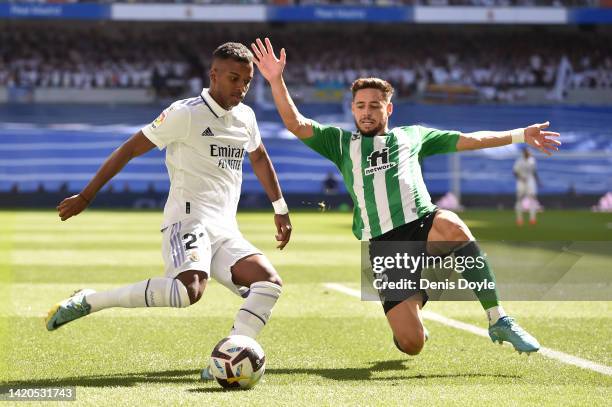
pixel 238 362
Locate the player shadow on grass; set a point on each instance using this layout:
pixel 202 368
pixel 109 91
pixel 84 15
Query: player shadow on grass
pixel 369 373
pixel 365 373
pixel 113 380
pixel 190 376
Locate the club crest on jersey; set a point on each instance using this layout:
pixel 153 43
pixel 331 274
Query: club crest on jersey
pixel 193 256
pixel 379 161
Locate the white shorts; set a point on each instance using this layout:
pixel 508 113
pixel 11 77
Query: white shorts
pixel 526 188
pixel 192 245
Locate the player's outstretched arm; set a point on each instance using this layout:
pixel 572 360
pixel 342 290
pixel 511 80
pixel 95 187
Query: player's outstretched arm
pixel 272 69
pixel 136 145
pixel 264 170
pixel 534 135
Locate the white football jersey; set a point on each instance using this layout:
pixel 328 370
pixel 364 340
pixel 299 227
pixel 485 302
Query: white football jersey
pixel 525 168
pixel 205 147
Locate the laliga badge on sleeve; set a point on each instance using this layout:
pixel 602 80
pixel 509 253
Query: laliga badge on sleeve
pixel 160 119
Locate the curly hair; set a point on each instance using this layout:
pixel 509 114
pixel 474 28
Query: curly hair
pixel 373 83
pixel 234 51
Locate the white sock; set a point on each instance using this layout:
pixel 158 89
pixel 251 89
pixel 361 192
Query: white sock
pixel 519 211
pixel 257 308
pixel 154 292
pixel 532 209
pixel 495 313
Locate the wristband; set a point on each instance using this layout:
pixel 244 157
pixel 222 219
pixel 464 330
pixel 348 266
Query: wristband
pixel 280 207
pixel 518 136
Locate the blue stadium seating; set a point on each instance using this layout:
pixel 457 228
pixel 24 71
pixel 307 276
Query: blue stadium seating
pixel 56 145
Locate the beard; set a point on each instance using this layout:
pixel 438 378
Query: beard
pixel 371 133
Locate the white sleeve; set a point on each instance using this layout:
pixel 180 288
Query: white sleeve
pixel 171 125
pixel 254 135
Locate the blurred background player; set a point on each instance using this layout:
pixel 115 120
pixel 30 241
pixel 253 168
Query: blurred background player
pixel 526 186
pixel 206 138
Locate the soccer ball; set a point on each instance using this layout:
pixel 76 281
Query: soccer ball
pixel 238 362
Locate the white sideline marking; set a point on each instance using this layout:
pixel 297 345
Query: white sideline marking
pixel 547 352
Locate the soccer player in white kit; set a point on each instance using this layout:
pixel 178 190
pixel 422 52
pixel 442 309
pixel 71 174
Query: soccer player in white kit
pixel 526 186
pixel 206 139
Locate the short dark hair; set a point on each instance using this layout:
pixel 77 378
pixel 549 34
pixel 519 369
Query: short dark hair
pixel 234 51
pixel 373 83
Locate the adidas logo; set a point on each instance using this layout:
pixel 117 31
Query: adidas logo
pixel 208 132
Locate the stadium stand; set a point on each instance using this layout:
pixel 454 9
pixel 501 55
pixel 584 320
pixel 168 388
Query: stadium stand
pixel 50 148
pixel 56 156
pixel 82 56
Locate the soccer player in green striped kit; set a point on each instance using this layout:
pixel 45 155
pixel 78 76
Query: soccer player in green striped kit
pixel 382 173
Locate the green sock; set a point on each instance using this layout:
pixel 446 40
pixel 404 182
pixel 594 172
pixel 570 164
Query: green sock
pixel 479 271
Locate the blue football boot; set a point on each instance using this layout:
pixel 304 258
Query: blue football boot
pixel 506 329
pixel 68 310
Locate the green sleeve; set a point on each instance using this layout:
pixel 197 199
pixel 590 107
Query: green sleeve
pixel 325 141
pixel 435 141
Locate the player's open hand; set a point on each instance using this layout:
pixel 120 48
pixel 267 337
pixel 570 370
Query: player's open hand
pixel 72 206
pixel 270 67
pixel 283 230
pixel 545 141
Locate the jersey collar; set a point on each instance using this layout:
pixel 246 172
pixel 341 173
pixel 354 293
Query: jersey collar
pixel 214 107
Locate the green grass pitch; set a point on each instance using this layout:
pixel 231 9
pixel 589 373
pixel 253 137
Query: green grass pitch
pixel 323 347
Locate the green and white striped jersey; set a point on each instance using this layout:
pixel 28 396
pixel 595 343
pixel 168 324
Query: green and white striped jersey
pixel 383 173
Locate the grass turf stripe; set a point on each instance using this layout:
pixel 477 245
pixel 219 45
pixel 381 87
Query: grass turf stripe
pixel 547 352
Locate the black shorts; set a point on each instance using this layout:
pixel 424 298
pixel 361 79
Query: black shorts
pixel 415 231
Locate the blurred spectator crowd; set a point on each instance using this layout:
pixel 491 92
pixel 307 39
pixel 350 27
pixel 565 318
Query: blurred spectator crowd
pixel 172 58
